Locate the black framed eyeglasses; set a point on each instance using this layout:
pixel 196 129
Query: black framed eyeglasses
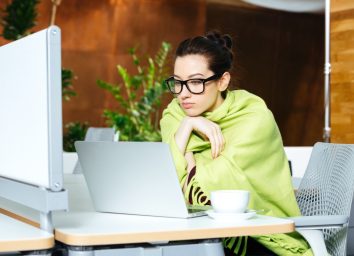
pixel 194 85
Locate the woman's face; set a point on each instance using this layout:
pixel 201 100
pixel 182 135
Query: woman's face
pixel 196 67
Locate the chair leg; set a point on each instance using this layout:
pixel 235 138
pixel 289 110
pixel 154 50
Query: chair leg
pixel 316 241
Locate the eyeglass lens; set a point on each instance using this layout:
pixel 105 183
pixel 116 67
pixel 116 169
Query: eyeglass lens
pixel 193 85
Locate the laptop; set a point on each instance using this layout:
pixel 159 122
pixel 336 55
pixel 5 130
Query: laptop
pixel 133 178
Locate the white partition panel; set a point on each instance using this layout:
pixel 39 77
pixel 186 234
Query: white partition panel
pixel 30 110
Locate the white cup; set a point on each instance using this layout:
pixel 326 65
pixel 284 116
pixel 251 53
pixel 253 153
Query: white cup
pixel 229 201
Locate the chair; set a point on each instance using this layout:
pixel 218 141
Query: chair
pixel 101 134
pixel 324 196
pixel 98 134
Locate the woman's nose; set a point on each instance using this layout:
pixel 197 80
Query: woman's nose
pixel 185 92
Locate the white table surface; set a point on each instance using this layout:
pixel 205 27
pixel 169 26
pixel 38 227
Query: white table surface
pixel 83 226
pixel 18 236
pixel 93 228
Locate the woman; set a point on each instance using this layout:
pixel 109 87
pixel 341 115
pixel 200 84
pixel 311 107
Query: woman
pixel 224 139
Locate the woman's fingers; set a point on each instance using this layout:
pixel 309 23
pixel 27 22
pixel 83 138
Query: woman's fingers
pixel 223 142
pixel 213 143
pixel 216 140
pixel 220 139
pixel 212 132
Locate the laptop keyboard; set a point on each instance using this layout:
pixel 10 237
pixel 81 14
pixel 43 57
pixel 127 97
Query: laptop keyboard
pixel 197 208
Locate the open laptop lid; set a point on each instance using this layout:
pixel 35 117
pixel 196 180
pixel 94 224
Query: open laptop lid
pixel 132 178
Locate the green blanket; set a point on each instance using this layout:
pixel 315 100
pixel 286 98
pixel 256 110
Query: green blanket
pixel 253 159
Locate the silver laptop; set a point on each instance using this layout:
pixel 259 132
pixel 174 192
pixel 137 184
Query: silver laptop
pixel 133 178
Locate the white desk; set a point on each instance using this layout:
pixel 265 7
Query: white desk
pixel 18 236
pixel 82 226
pixel 92 228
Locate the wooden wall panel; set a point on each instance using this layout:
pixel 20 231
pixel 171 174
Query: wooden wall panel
pixel 96 36
pixel 281 56
pixel 342 76
pixel 281 53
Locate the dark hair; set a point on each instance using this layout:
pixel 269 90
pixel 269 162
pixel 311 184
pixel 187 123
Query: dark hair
pixel 215 47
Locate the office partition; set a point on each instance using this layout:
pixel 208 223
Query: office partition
pixel 31 123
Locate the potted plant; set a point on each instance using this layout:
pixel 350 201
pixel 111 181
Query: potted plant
pixel 138 97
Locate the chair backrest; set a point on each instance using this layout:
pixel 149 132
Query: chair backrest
pixel 327 189
pixel 98 134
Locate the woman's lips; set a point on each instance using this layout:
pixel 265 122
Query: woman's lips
pixel 187 105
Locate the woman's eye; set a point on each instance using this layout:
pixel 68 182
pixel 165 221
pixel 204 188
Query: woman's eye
pixel 177 83
pixel 195 82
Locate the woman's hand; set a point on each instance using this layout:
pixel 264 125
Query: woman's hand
pixel 211 131
pixel 206 128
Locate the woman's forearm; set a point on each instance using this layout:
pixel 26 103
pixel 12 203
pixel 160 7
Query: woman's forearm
pixel 182 135
pixel 190 165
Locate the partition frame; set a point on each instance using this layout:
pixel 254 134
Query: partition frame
pixel 327 74
pixel 54 197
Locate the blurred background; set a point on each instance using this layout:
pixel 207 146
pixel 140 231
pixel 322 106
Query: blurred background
pixel 279 57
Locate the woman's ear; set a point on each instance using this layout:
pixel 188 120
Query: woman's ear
pixel 224 81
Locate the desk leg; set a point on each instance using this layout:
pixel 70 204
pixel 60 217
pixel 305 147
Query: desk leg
pixel 211 247
pixel 80 251
pixel 46 221
pixel 36 253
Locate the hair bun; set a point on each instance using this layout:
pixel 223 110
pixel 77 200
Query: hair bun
pixel 222 40
pixel 228 41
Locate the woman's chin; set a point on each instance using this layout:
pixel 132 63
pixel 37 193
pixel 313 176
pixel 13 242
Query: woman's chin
pixel 191 112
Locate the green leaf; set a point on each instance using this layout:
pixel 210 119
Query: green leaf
pixel 125 76
pixel 20 16
pixel 67 76
pixel 136 81
pixel 132 95
pixel 74 131
pixel 132 50
pixel 151 73
pixel 161 56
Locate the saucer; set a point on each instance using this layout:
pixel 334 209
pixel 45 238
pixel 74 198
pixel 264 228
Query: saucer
pixel 231 216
